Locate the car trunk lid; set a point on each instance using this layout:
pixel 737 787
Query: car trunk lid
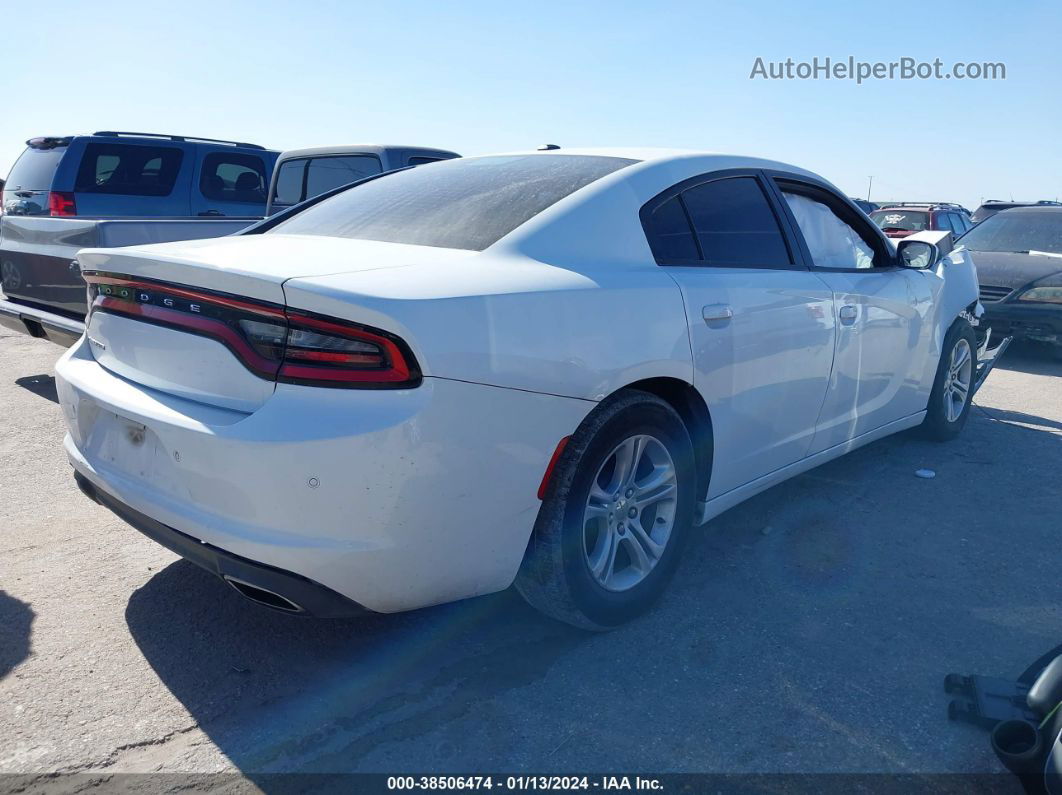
pixel 207 319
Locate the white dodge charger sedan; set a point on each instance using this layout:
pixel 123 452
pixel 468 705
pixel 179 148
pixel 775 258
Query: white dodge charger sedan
pixel 543 367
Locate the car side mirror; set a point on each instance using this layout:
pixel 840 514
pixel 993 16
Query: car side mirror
pixel 917 254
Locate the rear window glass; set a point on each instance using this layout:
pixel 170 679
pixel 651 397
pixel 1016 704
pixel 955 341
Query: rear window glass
pixel 232 177
pixel 901 220
pixel 986 210
pixel 35 169
pixel 128 170
pixel 1018 231
pixel 305 178
pixel 467 203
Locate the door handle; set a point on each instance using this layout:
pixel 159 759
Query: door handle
pixel 717 315
pixel 211 213
pixel 848 315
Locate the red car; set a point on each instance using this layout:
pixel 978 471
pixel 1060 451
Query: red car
pixel 906 218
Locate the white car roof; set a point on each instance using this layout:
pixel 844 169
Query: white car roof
pixel 649 154
pixel 599 223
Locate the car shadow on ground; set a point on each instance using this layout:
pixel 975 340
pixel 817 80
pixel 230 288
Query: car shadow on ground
pixel 1021 418
pixel 40 385
pixel 16 622
pixel 1032 358
pixel 268 686
pixel 807 629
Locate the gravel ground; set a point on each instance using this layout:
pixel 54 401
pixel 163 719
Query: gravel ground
pixel 808 630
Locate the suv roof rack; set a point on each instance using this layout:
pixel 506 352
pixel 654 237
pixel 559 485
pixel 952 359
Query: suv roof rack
pixel 191 138
pixel 1041 203
pixel 925 204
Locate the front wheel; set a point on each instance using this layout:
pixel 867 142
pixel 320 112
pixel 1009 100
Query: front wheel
pixel 618 508
pixel 952 395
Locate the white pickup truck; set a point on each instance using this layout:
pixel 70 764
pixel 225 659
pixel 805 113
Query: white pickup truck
pixel 43 292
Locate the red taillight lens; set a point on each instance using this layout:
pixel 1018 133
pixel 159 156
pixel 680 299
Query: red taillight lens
pixel 61 203
pixel 331 352
pixel 270 341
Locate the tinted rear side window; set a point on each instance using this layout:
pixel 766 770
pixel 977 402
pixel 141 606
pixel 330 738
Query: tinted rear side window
pixel 467 203
pixel 233 177
pixel 35 169
pixel 305 178
pixel 735 225
pixel 289 182
pixel 671 235
pixel 128 170
pixel 325 173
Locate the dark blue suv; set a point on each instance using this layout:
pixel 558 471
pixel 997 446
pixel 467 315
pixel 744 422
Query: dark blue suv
pixel 123 174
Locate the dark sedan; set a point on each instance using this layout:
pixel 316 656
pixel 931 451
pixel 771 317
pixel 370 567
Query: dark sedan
pixel 1018 254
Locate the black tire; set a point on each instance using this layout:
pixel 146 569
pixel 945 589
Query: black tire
pixel 555 575
pixel 936 425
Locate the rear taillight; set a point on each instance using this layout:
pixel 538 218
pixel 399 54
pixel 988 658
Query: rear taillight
pixel 331 352
pixel 61 203
pixel 269 340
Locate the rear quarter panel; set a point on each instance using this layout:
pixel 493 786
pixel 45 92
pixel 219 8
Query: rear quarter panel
pixel 512 322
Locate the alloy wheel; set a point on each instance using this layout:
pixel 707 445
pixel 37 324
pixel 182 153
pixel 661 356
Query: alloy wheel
pixel 958 380
pixel 630 512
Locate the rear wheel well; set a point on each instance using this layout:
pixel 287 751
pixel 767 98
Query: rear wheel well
pixel 691 407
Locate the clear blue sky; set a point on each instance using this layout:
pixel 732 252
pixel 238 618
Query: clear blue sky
pixel 494 76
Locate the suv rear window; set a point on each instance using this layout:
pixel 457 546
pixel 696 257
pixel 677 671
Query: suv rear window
pixel 128 170
pixel 468 203
pixel 233 177
pixel 905 220
pixel 35 169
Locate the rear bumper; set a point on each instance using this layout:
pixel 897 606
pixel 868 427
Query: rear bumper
pixel 40 323
pixel 1039 322
pixel 267 585
pixel 394 499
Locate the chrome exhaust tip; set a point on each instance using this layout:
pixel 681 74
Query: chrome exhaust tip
pixel 263 596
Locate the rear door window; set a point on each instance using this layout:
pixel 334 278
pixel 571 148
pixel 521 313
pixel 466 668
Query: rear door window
pixel 35 169
pixel 233 177
pixel 735 225
pixel 128 170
